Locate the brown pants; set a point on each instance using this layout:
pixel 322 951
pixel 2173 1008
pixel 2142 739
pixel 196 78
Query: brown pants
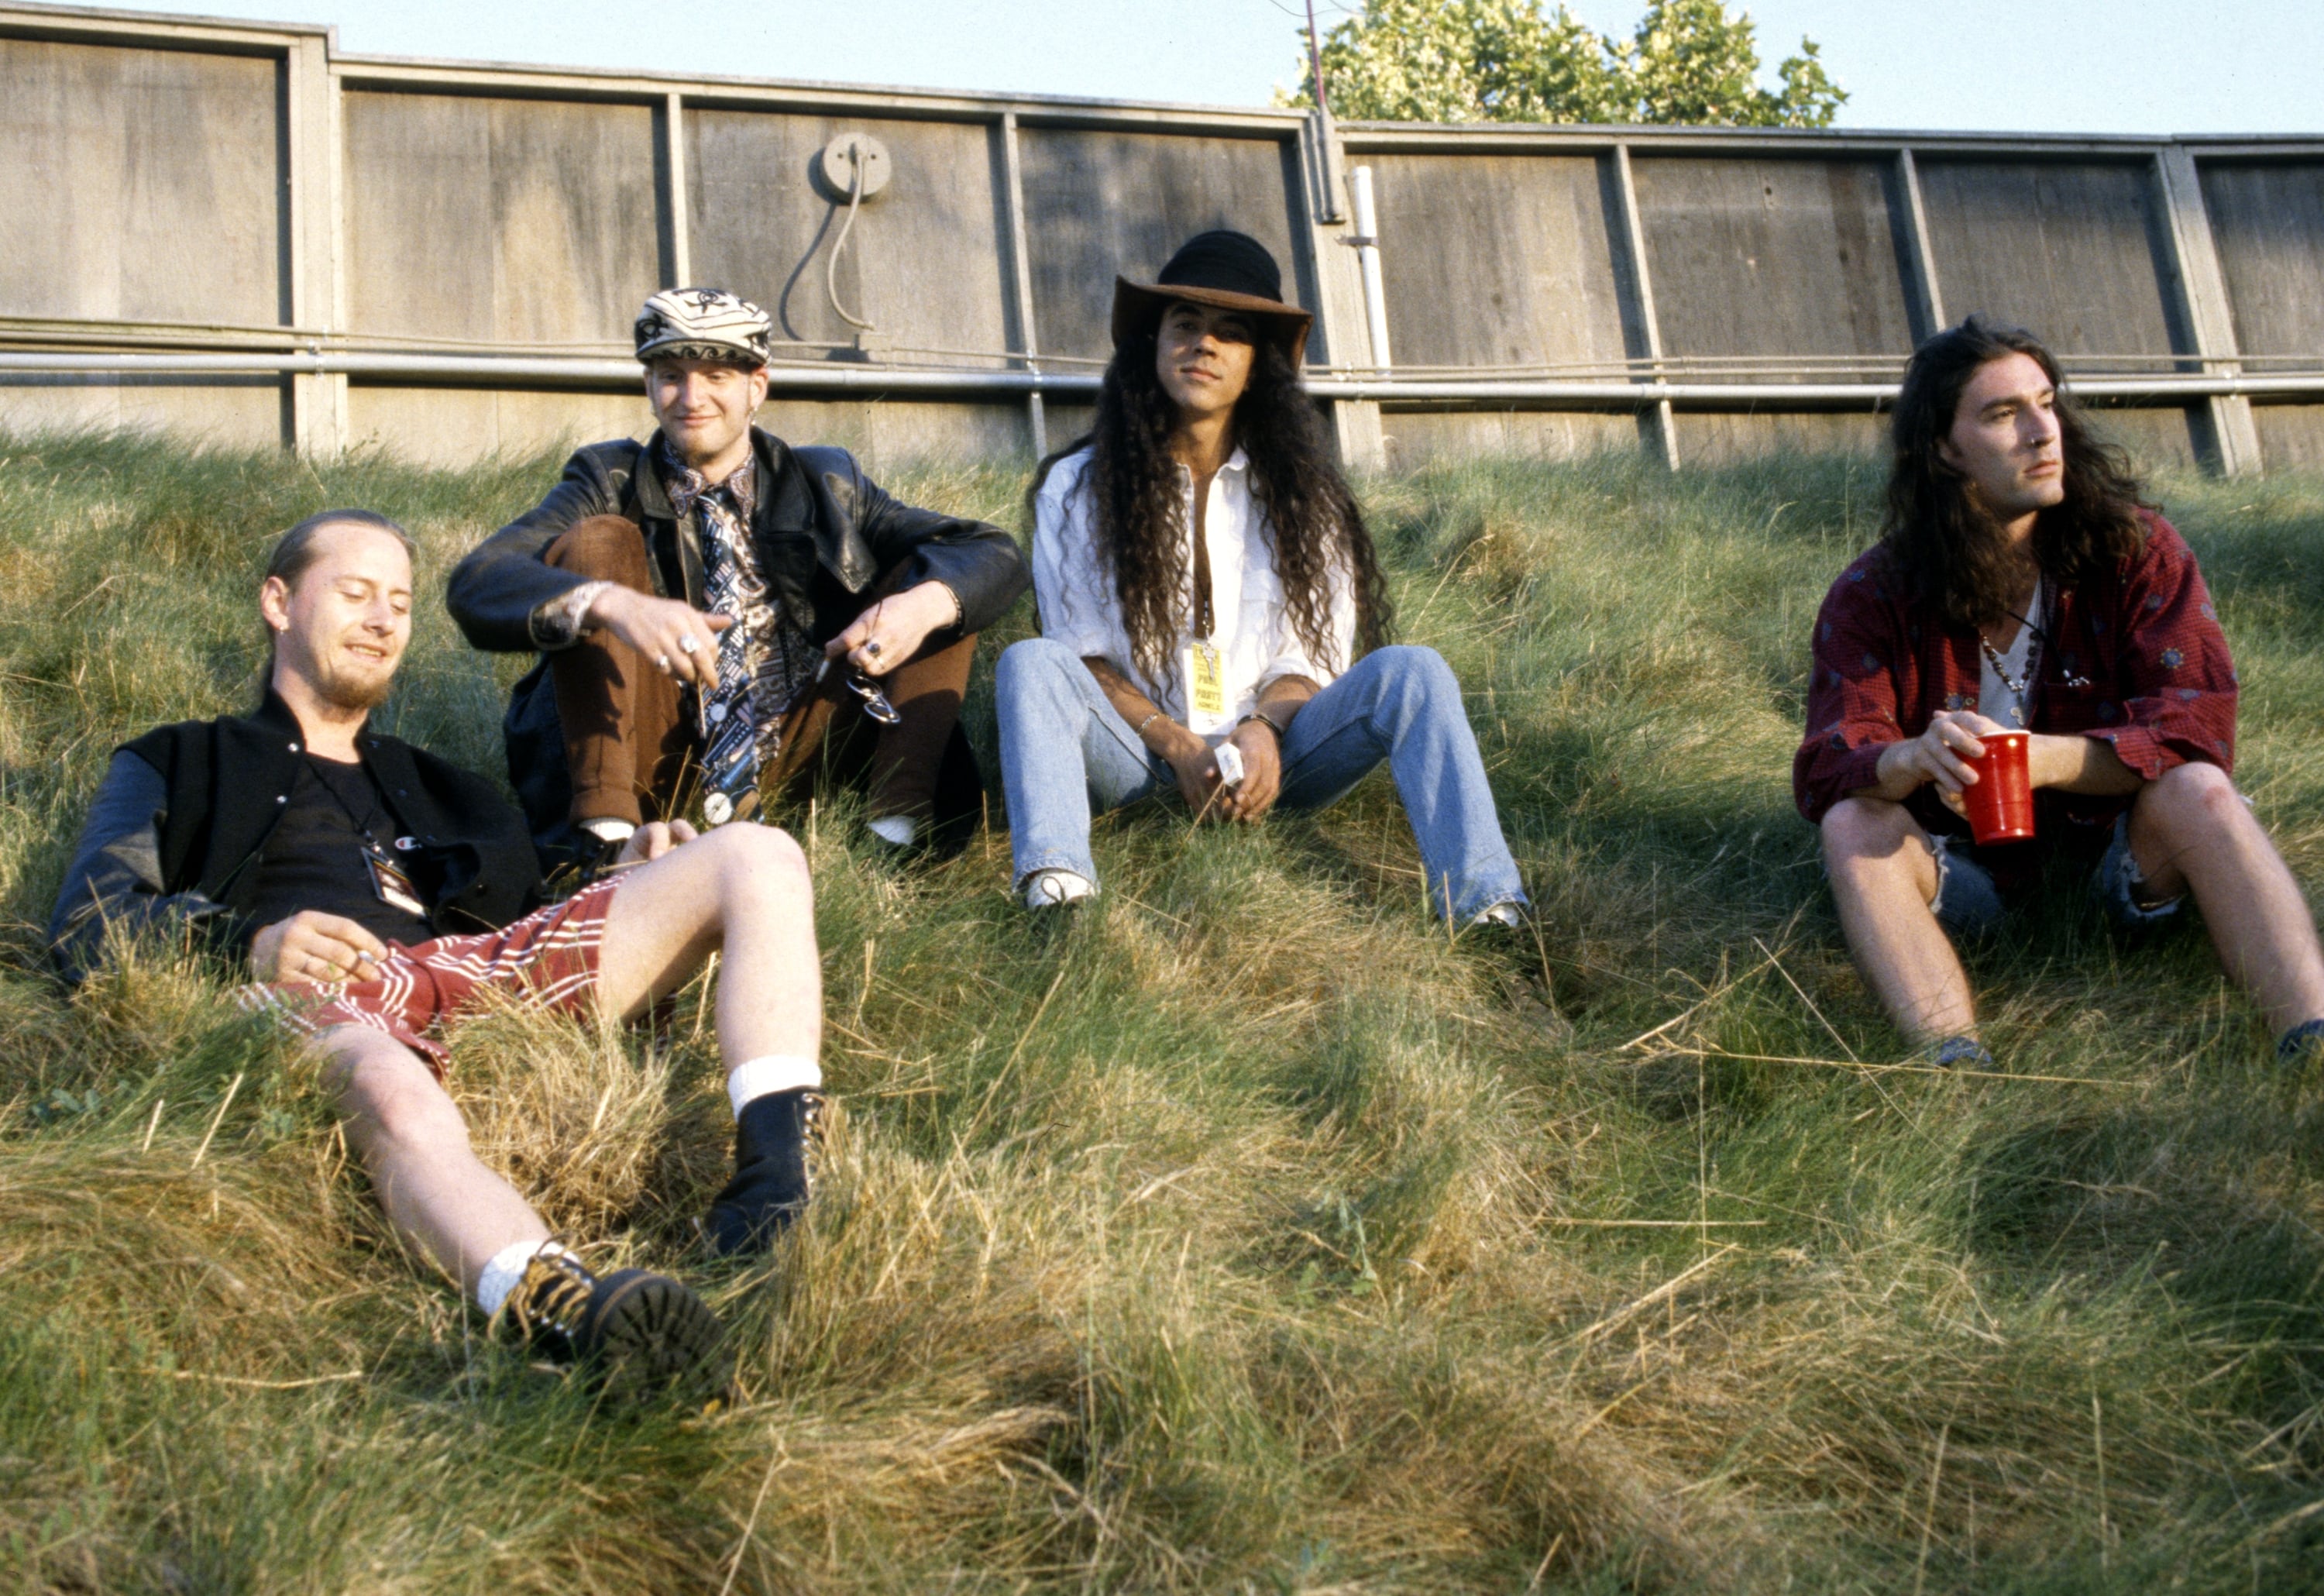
pixel 629 739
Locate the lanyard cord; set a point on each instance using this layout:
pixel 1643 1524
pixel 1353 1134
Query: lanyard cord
pixel 362 822
pixel 1205 622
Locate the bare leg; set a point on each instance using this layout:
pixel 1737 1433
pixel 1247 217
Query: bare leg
pixel 1883 878
pixel 413 1143
pixel 743 890
pixel 2191 830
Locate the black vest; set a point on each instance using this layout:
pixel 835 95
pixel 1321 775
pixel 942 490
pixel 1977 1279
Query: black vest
pixel 230 778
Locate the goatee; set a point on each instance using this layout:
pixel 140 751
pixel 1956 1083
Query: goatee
pixel 342 692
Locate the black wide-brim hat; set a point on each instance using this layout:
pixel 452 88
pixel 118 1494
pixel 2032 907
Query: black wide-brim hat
pixel 1231 270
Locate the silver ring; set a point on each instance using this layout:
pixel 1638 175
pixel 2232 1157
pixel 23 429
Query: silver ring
pixel 685 645
pixel 662 660
pixel 871 648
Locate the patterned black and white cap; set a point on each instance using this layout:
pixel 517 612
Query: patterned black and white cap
pixel 703 324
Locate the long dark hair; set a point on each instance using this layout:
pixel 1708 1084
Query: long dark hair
pixel 1951 554
pixel 1142 537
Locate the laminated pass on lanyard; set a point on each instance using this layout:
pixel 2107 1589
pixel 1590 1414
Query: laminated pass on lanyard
pixel 390 883
pixel 1207 693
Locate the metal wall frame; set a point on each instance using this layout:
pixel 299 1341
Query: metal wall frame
pixel 316 354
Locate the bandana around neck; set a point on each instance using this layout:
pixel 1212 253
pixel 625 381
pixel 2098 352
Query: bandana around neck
pixel 688 488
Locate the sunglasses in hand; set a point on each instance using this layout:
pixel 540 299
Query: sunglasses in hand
pixel 875 696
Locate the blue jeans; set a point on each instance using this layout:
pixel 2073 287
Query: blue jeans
pixel 1065 753
pixel 1971 907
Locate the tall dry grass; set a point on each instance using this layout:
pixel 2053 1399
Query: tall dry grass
pixel 1248 1236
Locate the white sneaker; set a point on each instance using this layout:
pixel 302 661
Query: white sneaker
pixel 1048 889
pixel 1509 912
pixel 899 831
pixel 605 828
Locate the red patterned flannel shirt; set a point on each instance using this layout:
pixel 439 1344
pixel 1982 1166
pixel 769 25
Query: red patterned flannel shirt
pixel 2145 639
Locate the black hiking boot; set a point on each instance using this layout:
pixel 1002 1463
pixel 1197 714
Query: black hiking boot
pixel 2302 1046
pixel 777 1150
pixel 640 1334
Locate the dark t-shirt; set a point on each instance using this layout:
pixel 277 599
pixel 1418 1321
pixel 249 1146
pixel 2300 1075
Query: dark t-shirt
pixel 315 858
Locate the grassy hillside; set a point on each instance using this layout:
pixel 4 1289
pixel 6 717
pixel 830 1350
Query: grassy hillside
pixel 1251 1236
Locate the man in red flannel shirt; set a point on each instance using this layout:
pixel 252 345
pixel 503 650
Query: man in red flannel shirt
pixel 2020 583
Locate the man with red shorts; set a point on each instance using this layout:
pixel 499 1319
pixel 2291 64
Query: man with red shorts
pixel 376 891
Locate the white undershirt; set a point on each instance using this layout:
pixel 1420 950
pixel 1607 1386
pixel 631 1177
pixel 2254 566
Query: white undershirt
pixel 1252 629
pixel 1995 701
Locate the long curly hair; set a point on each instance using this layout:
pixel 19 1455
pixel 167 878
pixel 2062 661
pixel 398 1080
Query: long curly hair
pixel 1142 541
pixel 1950 553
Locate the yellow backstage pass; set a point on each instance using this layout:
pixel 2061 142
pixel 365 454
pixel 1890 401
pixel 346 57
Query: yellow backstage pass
pixel 1205 694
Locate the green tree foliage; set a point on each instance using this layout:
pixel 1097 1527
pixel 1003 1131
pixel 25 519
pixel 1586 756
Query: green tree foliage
pixel 1690 61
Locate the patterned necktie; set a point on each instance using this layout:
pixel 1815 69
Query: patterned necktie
pixel 731 587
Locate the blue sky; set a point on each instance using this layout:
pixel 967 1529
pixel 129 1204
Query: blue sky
pixel 2091 66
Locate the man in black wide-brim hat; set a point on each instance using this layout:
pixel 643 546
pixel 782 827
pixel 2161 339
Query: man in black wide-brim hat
pixel 1212 616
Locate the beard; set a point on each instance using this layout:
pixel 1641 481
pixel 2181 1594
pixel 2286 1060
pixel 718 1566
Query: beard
pixel 347 692
pixel 336 683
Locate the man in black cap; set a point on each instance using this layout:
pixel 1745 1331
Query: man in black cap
pixel 703 602
pixel 1213 618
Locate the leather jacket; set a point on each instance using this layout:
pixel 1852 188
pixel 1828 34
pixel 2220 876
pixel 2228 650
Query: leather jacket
pixel 186 810
pixel 825 533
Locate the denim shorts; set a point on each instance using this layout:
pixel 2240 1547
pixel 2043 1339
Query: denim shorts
pixel 1969 906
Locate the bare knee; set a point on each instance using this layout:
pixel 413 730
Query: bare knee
pixel 1864 828
pixel 2190 798
pixel 759 865
pixel 389 1095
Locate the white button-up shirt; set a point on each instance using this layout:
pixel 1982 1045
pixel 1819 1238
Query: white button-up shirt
pixel 1254 635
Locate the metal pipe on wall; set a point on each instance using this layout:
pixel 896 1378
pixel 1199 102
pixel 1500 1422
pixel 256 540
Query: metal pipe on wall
pixel 1368 260
pixel 836 377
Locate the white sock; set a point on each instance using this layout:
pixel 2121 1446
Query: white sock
pixel 1044 889
pixel 755 1078
pixel 899 829
pixel 605 828
pixel 505 1267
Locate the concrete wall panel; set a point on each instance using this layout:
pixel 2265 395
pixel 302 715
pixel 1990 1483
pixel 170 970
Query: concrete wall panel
pixel 457 426
pixel 1099 202
pixel 460 426
pixel 926 260
pixel 499 220
pixel 2267 220
pixel 2156 436
pixel 1417 437
pixel 2075 251
pixel 1709 439
pixel 2290 436
pixel 887 436
pixel 1499 260
pixel 153 163
pixel 233 412
pixel 1774 257
pixel 147 185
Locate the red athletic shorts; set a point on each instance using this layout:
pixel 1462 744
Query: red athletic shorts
pixel 548 958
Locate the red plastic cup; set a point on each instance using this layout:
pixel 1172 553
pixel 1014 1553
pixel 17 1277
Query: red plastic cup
pixel 2000 801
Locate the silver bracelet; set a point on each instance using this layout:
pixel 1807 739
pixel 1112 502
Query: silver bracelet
pixel 1148 721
